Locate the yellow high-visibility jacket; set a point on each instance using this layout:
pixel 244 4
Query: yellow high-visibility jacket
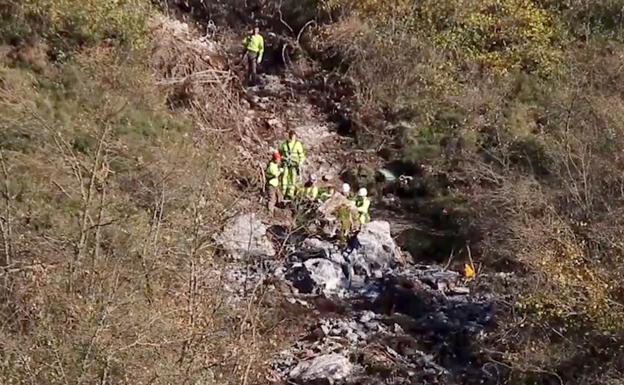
pixel 310 192
pixel 273 171
pixel 292 152
pixel 254 43
pixel 325 193
pixel 363 205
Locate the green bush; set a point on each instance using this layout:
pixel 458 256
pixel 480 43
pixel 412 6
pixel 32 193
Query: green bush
pixel 589 18
pixel 68 24
pixel 502 35
pixel 532 89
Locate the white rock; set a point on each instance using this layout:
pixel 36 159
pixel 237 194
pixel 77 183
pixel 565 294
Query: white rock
pixel 245 236
pixel 315 245
pixel 326 274
pixel 367 316
pixel 378 249
pixel 460 290
pixel 330 367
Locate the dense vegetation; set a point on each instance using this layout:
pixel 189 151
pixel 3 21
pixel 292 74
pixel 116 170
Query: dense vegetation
pixel 509 113
pixel 512 112
pixel 108 201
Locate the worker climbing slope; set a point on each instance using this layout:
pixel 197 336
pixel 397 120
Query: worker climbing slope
pixel 293 156
pixel 254 50
pixel 273 172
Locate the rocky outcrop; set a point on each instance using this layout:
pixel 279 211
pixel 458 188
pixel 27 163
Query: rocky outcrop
pixel 391 323
pixel 377 250
pixel 325 369
pixel 375 253
pixel 318 275
pixel 245 236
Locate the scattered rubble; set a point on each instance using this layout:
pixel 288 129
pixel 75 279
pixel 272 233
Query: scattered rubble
pixel 404 324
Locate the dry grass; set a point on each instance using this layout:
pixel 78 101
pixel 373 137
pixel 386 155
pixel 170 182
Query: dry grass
pixel 108 207
pixel 195 75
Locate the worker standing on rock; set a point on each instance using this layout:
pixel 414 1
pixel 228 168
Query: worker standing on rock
pixel 362 203
pixel 273 171
pixel 293 156
pixel 254 50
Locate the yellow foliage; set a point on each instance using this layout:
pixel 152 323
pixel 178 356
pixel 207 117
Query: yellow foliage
pixel 382 10
pixel 501 34
pixel 468 271
pixel 574 289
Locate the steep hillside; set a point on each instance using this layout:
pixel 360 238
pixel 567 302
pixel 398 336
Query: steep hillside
pixel 505 115
pixel 112 186
pixel 127 141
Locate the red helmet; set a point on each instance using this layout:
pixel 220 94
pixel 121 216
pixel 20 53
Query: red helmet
pixel 277 156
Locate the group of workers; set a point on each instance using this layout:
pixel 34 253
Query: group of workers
pixel 283 181
pixel 284 171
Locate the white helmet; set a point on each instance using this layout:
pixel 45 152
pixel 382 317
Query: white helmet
pixel 346 188
pixel 362 192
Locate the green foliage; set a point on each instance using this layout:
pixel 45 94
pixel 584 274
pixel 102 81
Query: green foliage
pixel 502 35
pixel 68 24
pixel 515 107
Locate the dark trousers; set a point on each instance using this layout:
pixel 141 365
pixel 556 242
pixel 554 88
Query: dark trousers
pixel 347 268
pixel 274 196
pixel 252 67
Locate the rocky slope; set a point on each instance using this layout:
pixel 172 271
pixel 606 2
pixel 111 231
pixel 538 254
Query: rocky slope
pixel 392 323
pixel 389 321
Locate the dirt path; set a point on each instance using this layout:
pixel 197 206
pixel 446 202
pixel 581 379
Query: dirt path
pixel 275 106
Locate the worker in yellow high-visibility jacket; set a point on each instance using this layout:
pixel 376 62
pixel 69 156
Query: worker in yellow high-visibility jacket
pixel 362 203
pixel 293 156
pixel 254 50
pixel 310 189
pixel 273 172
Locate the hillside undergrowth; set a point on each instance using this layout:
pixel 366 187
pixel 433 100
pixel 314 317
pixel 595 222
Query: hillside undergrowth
pixel 507 112
pixel 110 197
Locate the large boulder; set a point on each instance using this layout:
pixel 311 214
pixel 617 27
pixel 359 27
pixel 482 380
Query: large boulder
pixel 325 369
pixel 245 236
pixel 329 207
pixel 377 249
pixel 326 274
pixel 318 275
pixel 317 247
